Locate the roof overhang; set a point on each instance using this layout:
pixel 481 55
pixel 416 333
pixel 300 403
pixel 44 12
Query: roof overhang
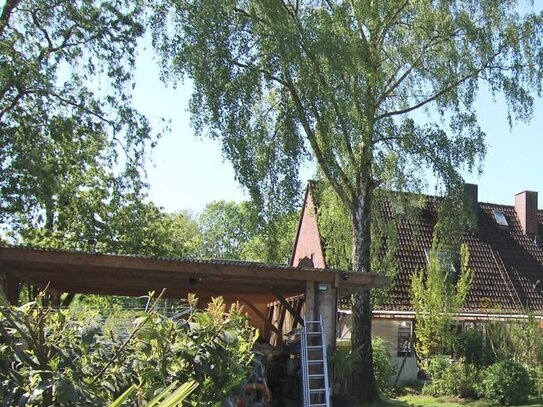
pixel 94 273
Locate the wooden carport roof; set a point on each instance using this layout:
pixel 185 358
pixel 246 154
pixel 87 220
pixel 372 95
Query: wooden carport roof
pixel 95 273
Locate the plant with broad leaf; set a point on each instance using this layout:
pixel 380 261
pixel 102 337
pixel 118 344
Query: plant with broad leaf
pixel 59 357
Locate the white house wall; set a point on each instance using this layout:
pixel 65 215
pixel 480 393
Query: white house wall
pixel 386 329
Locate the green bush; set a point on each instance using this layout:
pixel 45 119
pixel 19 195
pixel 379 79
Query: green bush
pixel 471 346
pixel 536 374
pixel 382 364
pixel 451 378
pixel 507 383
pixel 53 357
pixel 438 371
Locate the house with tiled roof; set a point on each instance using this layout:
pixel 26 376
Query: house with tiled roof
pixel 506 256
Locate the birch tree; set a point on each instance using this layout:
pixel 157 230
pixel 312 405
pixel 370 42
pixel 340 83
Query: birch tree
pixel 357 86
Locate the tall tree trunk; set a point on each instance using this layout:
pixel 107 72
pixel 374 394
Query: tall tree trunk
pixel 363 381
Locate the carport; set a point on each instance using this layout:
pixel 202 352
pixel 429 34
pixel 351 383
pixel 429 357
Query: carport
pixel 254 285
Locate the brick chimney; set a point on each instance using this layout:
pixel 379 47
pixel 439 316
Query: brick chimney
pixel 526 209
pixel 471 196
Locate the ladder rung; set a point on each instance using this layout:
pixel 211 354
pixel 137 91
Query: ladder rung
pixel 313 333
pixel 317 405
pixel 315 361
pixel 316 391
pixel 313 347
pixel 316 376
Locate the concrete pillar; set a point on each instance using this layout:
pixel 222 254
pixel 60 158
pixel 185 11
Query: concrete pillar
pixel 321 300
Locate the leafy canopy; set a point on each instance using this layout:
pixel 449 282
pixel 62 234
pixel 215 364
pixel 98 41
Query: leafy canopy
pixel 70 141
pixel 232 230
pixel 279 81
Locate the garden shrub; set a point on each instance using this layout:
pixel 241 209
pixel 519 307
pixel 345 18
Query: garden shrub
pixel 507 383
pixel 451 378
pixel 382 365
pixel 438 371
pixel 521 341
pixel 536 374
pixel 344 360
pixel 471 346
pixel 53 357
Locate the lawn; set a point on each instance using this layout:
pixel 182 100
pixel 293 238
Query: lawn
pixel 417 400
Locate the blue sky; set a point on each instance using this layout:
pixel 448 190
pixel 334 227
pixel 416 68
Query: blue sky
pixel 186 172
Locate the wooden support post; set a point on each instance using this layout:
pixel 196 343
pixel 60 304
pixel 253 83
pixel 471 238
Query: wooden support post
pixel 262 317
pixel 299 306
pixel 280 326
pixel 284 303
pixel 12 288
pixel 68 300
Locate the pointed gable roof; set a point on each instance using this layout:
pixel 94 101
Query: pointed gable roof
pixel 308 243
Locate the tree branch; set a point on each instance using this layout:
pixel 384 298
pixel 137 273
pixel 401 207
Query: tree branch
pixel 392 84
pixel 324 164
pixel 264 72
pixel 36 22
pixel 431 98
pixel 393 18
pixel 360 27
pixel 81 106
pixel 7 10
pixel 326 85
pixel 20 94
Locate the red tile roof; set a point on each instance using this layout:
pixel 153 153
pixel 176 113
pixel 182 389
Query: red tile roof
pixel 507 264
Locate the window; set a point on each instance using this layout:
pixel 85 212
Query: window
pixel 500 218
pixel 445 261
pixel 398 209
pixel 404 338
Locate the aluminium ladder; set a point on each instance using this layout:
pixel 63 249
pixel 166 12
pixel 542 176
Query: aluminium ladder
pixel 314 365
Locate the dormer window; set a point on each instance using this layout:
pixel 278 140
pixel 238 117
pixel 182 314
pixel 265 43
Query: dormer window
pixel 398 209
pixel 500 218
pixel 445 261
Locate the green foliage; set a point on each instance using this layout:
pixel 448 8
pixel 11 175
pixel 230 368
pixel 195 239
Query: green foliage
pixel 438 369
pixel 54 357
pixel 236 231
pixel 536 374
pixel 344 360
pixel 472 347
pixel 68 140
pixel 182 232
pixel 119 224
pixel 274 240
pixel 527 340
pixel 520 341
pixel 382 363
pixel 225 227
pixel 335 227
pixel 212 348
pixel 49 358
pixel 452 378
pixel 436 298
pixel 507 383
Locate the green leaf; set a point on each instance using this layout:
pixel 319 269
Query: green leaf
pixel 176 397
pixel 123 397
